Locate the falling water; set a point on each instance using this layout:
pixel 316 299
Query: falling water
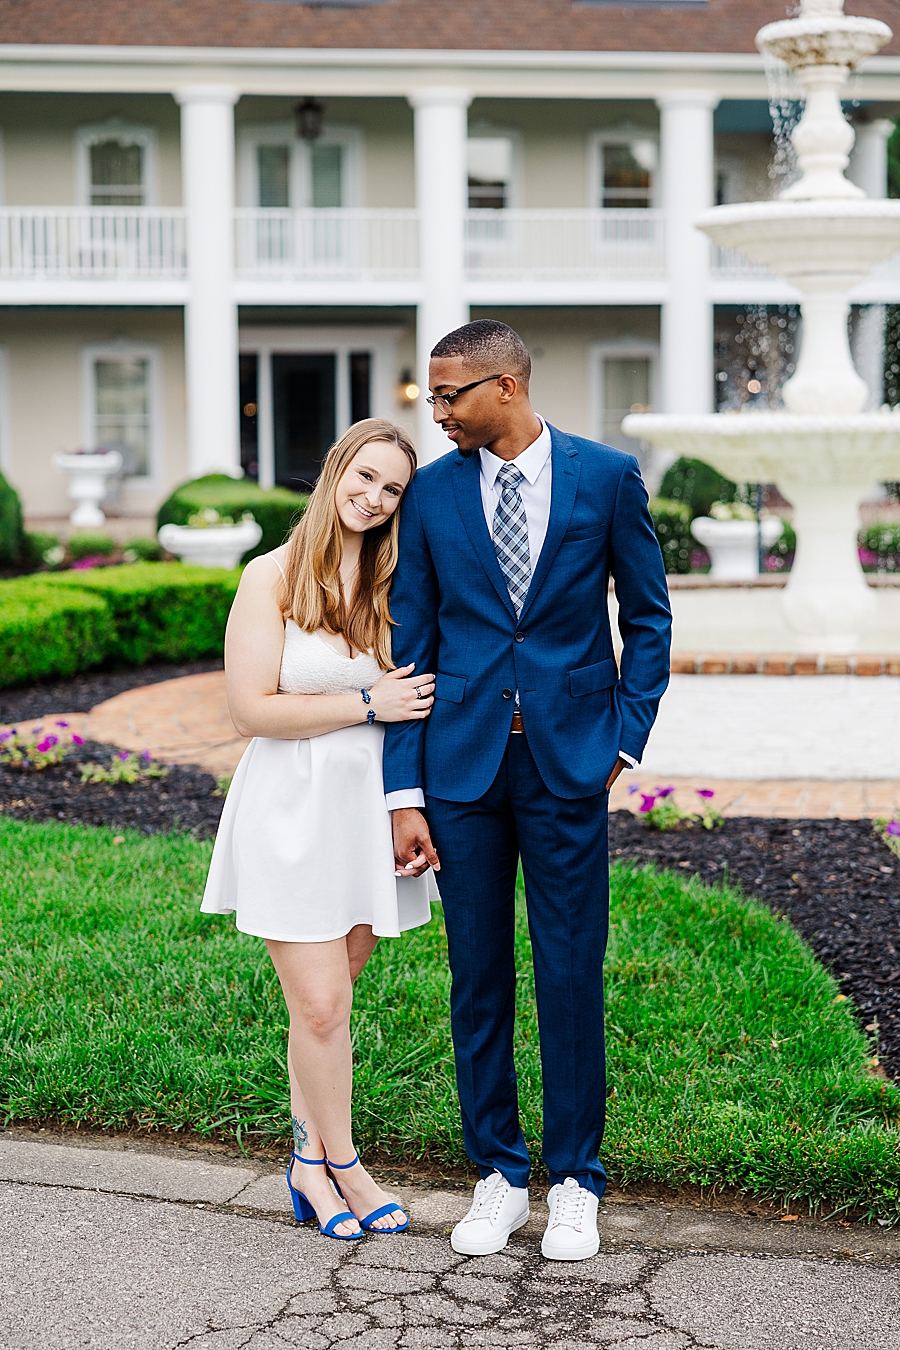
pixel 755 357
pixel 786 104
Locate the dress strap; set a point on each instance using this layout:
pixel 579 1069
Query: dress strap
pixel 277 564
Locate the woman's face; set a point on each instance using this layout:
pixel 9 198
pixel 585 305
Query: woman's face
pixel 369 490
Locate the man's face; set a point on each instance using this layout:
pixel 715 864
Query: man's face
pixel 480 415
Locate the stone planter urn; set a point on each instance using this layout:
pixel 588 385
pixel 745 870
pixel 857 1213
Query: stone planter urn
pixel 211 545
pixel 88 473
pixel 733 544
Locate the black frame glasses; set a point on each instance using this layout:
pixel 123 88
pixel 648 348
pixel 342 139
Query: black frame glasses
pixel 449 399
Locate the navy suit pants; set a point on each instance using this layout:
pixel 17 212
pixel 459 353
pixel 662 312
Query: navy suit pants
pixel 565 860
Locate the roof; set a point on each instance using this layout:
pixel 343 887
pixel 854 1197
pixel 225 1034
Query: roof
pixel 525 25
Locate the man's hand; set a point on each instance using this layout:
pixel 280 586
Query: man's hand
pixel 413 850
pixel 617 769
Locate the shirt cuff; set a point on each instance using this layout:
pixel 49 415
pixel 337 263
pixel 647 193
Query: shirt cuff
pixel 396 801
pixel 629 760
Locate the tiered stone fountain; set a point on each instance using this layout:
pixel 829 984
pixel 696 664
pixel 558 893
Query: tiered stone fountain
pixel 824 235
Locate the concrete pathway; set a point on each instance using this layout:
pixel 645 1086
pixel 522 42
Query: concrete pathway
pixel 768 745
pixel 125 1248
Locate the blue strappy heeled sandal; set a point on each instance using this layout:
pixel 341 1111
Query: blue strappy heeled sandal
pixel 366 1224
pixel 304 1210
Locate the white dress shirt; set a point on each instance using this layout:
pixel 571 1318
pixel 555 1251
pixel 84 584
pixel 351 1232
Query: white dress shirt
pixel 536 466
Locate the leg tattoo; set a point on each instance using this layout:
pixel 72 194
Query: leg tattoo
pixel 301 1138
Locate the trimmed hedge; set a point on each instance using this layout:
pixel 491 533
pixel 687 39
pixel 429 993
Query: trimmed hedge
pixel 55 624
pixel 697 485
pixel 12 535
pixel 47 632
pixel 275 510
pixel 672 522
pixel 159 611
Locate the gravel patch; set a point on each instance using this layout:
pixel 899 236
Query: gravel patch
pixel 835 880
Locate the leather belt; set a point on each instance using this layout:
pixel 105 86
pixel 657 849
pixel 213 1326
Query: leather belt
pixel 518 726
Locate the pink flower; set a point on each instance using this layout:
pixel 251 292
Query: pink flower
pixel 77 740
pixel 43 746
pixel 893 827
pixel 705 792
pixel 647 801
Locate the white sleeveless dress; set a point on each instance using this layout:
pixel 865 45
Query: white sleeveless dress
pixel 304 850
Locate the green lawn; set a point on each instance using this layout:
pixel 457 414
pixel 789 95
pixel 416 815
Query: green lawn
pixel 731 1062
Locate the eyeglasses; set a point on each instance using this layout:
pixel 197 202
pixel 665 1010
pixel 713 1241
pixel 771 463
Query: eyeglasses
pixel 447 399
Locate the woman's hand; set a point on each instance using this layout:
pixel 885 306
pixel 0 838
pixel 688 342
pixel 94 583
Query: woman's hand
pixel 400 696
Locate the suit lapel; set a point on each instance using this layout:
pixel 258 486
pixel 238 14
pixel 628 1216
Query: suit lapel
pixel 467 487
pixel 565 468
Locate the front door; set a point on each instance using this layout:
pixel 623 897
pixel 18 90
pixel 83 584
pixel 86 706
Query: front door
pixel 303 405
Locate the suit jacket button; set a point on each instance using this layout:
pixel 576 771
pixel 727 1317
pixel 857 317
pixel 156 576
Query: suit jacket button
pixel 507 693
pixel 519 637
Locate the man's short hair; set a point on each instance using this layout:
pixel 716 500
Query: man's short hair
pixel 487 344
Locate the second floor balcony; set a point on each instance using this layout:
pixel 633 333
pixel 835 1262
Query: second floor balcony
pixel 357 255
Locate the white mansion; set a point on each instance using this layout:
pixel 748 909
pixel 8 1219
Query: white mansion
pixel 229 230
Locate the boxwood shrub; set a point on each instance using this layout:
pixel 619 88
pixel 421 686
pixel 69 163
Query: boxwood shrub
pixel 49 632
pixel 672 522
pixel 11 533
pixel 274 509
pixel 157 611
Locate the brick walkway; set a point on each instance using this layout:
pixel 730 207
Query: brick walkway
pixel 186 721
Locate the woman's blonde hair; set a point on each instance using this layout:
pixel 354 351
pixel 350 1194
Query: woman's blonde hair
pixel 311 593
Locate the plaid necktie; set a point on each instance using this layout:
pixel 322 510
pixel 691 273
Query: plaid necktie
pixel 511 536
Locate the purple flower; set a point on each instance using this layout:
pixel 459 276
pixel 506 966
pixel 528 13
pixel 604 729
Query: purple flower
pixel 43 746
pixel 664 792
pixel 123 755
pixel 62 724
pixel 633 788
pixel 36 731
pixel 647 801
pixel 893 827
pixel 5 735
pixel 77 740
pixel 146 756
pixel 705 792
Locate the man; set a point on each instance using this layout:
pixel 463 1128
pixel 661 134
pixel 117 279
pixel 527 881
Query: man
pixel 506 547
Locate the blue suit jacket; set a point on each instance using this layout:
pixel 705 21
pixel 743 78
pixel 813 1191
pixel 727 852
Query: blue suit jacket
pixel 454 617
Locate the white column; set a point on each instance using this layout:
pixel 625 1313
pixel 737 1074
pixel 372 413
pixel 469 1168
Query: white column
pixel 686 189
pixel 868 169
pixel 442 198
pixel 211 324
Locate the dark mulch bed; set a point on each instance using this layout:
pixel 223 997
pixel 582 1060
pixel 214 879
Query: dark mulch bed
pixel 184 800
pixel 834 879
pixel 85 691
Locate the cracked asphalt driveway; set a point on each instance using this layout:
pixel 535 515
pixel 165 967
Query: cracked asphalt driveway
pixel 85 1265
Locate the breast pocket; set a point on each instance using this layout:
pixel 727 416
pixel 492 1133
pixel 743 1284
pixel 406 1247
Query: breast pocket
pixel 591 679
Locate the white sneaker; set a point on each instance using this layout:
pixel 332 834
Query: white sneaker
pixel 571 1233
pixel 497 1210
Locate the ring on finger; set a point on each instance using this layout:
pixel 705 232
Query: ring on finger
pixel 419 693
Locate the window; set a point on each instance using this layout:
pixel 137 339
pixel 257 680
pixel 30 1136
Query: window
pixel 490 170
pixel 626 170
pixel 279 170
pixel 624 381
pixel 121 398
pixel 116 165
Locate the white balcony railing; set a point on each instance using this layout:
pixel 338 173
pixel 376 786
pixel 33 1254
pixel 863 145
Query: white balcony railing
pixel 63 242
pixel 323 244
pixel 727 262
pixel 553 245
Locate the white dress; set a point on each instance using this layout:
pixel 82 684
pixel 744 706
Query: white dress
pixel 304 850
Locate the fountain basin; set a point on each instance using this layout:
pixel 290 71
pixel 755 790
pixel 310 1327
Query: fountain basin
pixel 823 40
pixel 781 447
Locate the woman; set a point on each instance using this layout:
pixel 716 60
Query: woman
pixel 304 854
